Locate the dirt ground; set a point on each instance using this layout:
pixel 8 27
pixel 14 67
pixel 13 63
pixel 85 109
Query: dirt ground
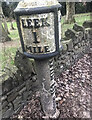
pixel 9 44
pixel 73 92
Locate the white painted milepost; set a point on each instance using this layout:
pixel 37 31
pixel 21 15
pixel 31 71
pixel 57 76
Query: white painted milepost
pixel 39 25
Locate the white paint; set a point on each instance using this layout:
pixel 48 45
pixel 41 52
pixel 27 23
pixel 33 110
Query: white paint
pixel 36 3
pixel 45 35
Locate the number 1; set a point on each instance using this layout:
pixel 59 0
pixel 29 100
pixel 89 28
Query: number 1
pixel 35 37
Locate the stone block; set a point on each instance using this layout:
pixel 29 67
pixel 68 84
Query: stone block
pixel 28 84
pixel 68 43
pixel 10 105
pixel 78 28
pixel 8 113
pixel 25 95
pixel 90 31
pixel 21 61
pixel 17 111
pixel 64 46
pixel 75 40
pixel 76 47
pixel 70 33
pixel 5 109
pixel 12 96
pixel 22 91
pixel 68 63
pixel 16 102
pixel 3 98
pixel 30 95
pixel 80 36
pixel 6 84
pixel 87 24
pixel 20 87
pixel 34 78
pixel 20 77
pixel 79 45
pixel 4 104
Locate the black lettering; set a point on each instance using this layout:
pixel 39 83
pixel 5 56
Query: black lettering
pixel 29 22
pixel 23 23
pixel 39 50
pixel 35 38
pixel 29 48
pixel 34 49
pixel 44 22
pixel 36 23
pixel 46 49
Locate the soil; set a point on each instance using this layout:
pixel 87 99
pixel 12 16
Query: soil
pixel 9 44
pixel 73 94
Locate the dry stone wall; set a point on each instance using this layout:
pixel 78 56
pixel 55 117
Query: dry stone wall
pixel 20 82
pixel 75 44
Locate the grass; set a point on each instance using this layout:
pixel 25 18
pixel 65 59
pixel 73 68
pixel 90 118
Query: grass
pixel 13 33
pixel 79 18
pixel 7 54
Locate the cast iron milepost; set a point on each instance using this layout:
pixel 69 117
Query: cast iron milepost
pixel 39 25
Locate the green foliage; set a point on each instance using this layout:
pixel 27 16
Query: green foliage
pixel 14 33
pixel 79 18
pixel 7 56
pixel 8 52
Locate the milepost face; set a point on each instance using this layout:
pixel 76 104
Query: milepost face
pixel 38 33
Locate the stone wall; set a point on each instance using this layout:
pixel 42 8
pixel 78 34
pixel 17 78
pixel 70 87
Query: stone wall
pixel 75 44
pixel 20 82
